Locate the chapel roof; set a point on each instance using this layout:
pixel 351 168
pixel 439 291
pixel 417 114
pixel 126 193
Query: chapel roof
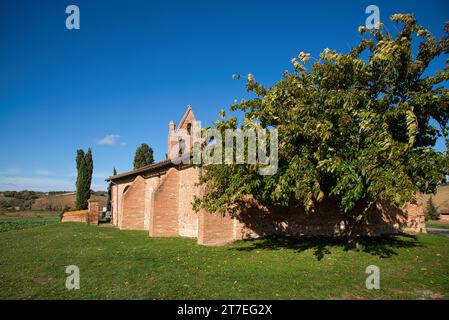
pixel 168 163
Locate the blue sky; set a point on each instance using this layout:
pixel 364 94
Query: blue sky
pixel 135 65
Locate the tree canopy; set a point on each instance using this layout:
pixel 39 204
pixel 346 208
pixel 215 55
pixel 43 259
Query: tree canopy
pixel 357 127
pixel 143 156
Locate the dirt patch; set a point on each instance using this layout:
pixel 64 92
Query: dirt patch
pixel 429 295
pixel 349 296
pixel 43 278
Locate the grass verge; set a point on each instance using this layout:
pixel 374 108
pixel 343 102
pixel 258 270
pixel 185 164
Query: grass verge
pixel 118 264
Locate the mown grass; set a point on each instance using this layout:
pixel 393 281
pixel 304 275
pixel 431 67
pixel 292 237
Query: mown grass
pixel 437 224
pixel 118 264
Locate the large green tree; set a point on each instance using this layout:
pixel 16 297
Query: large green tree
pixel 84 166
pixel 357 127
pixel 143 156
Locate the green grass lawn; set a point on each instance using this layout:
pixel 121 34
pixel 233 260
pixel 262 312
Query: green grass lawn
pixel 131 265
pixel 437 224
pixel 26 219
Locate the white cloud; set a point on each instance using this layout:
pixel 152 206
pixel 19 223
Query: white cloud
pixel 110 139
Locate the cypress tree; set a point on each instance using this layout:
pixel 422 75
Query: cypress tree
pixel 89 170
pixel 84 166
pixel 114 172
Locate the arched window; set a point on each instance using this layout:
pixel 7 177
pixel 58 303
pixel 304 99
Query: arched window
pixel 189 128
pixel 182 146
pixel 126 189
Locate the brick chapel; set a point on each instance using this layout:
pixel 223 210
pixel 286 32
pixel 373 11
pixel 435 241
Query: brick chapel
pixel 158 197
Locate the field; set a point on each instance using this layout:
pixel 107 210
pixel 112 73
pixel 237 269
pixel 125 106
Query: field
pixel 440 199
pixel 60 202
pixel 118 264
pixel 34 200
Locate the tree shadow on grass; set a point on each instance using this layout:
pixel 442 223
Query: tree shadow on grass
pixel 383 247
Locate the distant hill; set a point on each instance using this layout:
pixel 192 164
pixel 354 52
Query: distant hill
pixel 18 200
pixel 61 200
pixel 64 201
pixel 53 200
pixel 440 199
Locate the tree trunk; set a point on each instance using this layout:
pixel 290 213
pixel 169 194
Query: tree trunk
pixel 351 231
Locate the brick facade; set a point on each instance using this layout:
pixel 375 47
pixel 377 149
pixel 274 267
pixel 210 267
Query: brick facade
pixel 133 206
pixel 294 221
pixel 414 216
pixel 164 218
pixel 187 218
pixel 158 198
pixel 150 186
pixel 215 230
pixel 75 216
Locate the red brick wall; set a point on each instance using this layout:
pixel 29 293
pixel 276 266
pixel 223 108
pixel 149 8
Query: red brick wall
pixel 114 204
pixel 383 219
pixel 79 217
pixel 89 216
pixel 164 216
pixel 151 184
pixel 133 206
pixel 415 218
pixel 117 202
pixel 93 213
pixel 188 219
pixel 215 230
pixel 168 205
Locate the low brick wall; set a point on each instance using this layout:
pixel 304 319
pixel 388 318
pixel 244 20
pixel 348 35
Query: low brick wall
pixel 89 216
pixel 75 216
